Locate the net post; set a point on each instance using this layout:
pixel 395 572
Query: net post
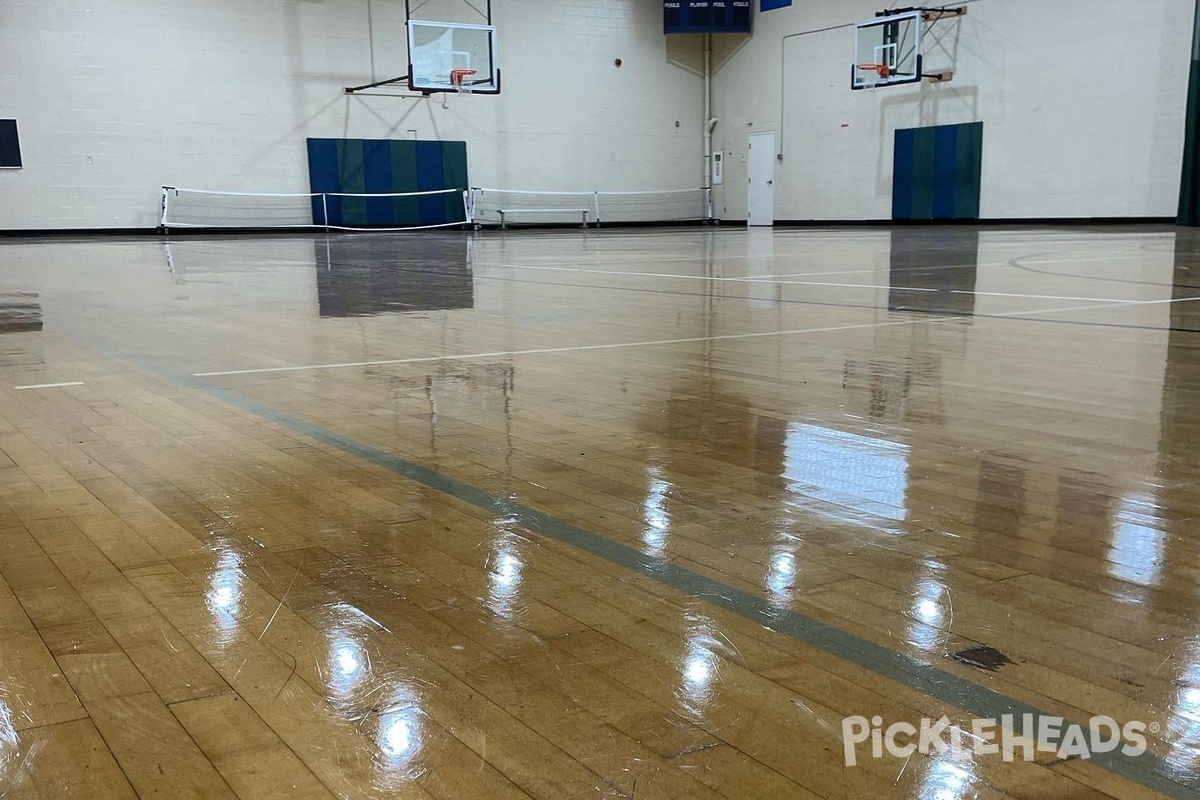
pixel 596 202
pixel 162 220
pixel 325 210
pixel 708 204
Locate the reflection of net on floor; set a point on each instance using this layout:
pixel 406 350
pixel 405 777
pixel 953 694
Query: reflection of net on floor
pixel 454 394
pixel 195 208
pixel 479 388
pixel 877 390
pixel 518 207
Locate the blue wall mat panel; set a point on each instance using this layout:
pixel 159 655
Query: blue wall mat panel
pixel 938 172
pixel 10 144
pixel 904 173
pixel 323 177
pixel 429 177
pixel 377 174
pixel 387 166
pixel 353 180
pixel 945 170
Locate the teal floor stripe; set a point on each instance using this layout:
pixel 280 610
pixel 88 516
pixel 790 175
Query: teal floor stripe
pixel 1148 770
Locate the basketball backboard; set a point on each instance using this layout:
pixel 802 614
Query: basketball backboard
pixel 436 50
pixel 887 50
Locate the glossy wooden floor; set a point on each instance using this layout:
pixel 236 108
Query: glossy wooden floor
pixel 276 540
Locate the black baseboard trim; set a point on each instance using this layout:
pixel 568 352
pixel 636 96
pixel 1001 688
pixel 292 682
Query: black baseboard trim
pixel 546 226
pixel 30 233
pixel 42 233
pixel 37 233
pixel 1048 221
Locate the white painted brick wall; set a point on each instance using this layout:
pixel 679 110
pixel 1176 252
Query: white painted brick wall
pixel 117 97
pixel 1083 104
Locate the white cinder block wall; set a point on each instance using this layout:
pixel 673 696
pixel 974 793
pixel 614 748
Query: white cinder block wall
pixel 117 97
pixel 1083 105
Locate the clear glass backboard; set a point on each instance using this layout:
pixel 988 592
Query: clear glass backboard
pixel 887 51
pixel 437 49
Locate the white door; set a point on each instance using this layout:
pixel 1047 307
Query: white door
pixel 762 179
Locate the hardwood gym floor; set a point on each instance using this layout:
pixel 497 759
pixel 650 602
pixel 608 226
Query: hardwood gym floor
pixel 623 514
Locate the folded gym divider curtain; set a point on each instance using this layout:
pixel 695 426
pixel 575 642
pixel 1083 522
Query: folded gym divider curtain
pixel 1189 185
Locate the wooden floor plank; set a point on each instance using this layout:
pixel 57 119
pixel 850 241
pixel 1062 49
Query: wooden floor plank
pixel 152 748
pixel 255 763
pixel 66 760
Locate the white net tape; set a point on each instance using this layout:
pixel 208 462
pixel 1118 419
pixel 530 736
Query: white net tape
pixel 196 208
pixel 516 207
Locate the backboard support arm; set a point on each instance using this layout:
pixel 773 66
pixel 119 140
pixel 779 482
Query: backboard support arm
pixel 377 84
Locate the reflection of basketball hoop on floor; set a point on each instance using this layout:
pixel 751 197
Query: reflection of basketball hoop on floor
pixel 459 79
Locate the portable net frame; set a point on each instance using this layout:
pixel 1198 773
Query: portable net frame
pixel 504 207
pixel 220 210
pixel 204 209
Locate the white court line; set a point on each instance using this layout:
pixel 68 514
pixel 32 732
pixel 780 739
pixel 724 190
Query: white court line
pixel 1114 304
pixel 540 350
pixel 721 337
pixel 773 279
pixel 1077 260
pixel 50 385
pixel 1110 300
pixel 763 279
pixel 699 257
pixel 636 274
pixel 798 275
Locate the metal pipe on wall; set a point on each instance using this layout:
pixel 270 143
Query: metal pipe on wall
pixel 708 120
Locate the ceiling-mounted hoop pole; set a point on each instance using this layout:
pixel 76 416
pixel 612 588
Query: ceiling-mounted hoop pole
pixel 492 52
pixel 408 10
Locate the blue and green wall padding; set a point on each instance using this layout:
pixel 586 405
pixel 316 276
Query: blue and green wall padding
pixel 937 172
pixel 387 166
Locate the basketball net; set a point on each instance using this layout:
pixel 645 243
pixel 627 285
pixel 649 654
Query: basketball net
pixel 882 72
pixel 458 78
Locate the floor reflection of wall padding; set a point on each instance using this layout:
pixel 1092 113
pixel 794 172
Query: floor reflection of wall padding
pixel 934 271
pixel 366 276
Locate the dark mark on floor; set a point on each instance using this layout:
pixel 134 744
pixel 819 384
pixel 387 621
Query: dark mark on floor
pixel 984 657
